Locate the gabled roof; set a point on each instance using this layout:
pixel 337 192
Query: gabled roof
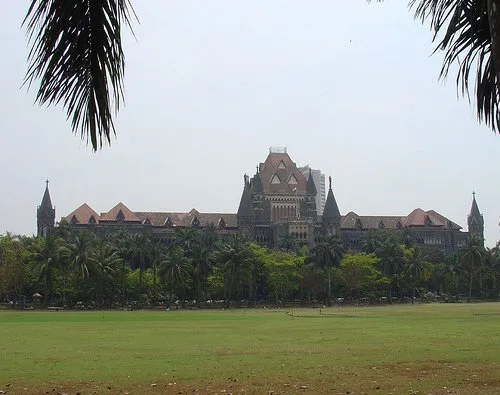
pixel 279 165
pixel 186 219
pixel 417 218
pixel 128 215
pixel 82 215
pixel 352 221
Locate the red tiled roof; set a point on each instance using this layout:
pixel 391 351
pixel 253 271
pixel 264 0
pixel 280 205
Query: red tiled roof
pixel 111 215
pixel 82 215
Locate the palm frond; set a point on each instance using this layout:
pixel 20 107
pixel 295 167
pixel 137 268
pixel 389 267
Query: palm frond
pixel 76 53
pixel 467 43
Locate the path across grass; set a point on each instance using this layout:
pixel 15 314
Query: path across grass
pixel 438 349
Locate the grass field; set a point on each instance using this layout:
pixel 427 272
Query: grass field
pixel 411 349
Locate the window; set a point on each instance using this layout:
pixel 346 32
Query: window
pixel 275 179
pixel 120 217
pixel 293 180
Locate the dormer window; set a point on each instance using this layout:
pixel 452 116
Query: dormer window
pixel 73 220
pixel 281 165
pixel 275 179
pixel 92 220
pixel 293 180
pixel 222 223
pixel 195 223
pixel 168 223
pixel 381 225
pixel 359 225
pixel 399 225
pixel 120 217
pixel 427 221
pixel 146 221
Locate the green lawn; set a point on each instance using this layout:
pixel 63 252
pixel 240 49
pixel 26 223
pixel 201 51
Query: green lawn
pixel 438 349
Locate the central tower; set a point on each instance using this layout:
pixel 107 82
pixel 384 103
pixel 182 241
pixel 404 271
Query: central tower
pixel 282 201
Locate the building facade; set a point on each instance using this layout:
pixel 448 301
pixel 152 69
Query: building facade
pixel 278 201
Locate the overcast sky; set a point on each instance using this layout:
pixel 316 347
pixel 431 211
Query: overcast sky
pixel 350 88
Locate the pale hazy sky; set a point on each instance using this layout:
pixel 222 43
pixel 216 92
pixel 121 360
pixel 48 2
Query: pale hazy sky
pixel 349 87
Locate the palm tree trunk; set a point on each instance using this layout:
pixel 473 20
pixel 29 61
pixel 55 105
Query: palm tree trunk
pixel 329 286
pixel 470 285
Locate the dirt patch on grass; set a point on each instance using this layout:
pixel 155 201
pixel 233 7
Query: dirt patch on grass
pixel 430 377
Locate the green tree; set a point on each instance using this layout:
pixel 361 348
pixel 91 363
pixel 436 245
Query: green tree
pixel 175 271
pixel 139 252
pixel 288 242
pixel 472 257
pixel 327 254
pixel 391 261
pixel 417 268
pixel 234 259
pixel 359 274
pixel 14 272
pixel 106 261
pixel 78 252
pixel 49 259
pixel 202 261
pixel 282 274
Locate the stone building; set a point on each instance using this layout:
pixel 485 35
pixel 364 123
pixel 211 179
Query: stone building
pixel 277 201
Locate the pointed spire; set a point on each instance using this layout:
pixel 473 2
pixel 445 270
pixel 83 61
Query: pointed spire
pixel 45 214
pixel 46 202
pixel 245 209
pixel 331 209
pixel 475 215
pixel 310 187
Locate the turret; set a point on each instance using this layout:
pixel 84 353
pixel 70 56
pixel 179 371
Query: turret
pixel 331 214
pixel 475 221
pixel 256 190
pixel 245 216
pixel 45 214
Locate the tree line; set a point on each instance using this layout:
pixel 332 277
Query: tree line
pixel 82 269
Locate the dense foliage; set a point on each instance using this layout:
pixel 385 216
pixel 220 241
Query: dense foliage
pixel 82 269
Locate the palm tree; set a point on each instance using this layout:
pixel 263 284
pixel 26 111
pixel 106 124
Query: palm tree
pixel 139 251
pixel 469 34
pixel 105 262
pixel 174 270
pixel 49 258
pixel 417 269
pixel 77 55
pixel 79 252
pixel 327 254
pixel 202 261
pixel 472 256
pixel 391 261
pixel 186 238
pixel 288 242
pixel 234 259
